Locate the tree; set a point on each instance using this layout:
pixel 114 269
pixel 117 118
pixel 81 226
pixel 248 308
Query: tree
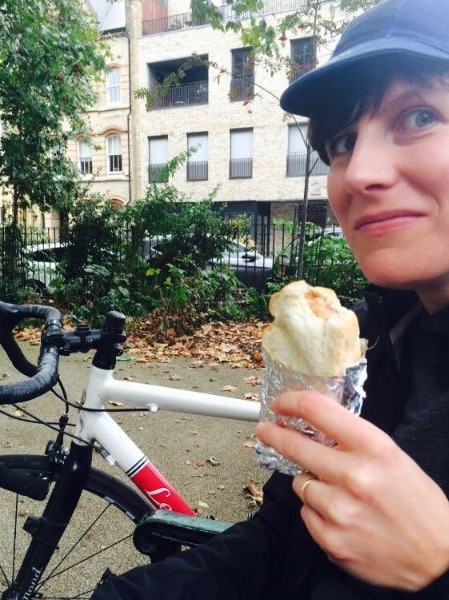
pixel 50 55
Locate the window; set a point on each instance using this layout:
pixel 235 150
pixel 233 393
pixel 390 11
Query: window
pixel 114 154
pixel 242 82
pixel 158 158
pixel 241 162
pixel 113 92
pixel 302 56
pixel 85 158
pixel 297 154
pixel 197 165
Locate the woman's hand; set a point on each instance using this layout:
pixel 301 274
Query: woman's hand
pixel 371 509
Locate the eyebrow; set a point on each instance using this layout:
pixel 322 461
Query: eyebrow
pixel 398 100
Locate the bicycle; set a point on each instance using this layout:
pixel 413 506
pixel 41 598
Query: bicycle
pixel 157 520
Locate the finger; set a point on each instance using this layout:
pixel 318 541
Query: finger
pixel 301 484
pixel 315 493
pixel 326 415
pixel 326 463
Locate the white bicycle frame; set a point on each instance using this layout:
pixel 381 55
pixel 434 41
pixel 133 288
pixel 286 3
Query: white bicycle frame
pixel 118 446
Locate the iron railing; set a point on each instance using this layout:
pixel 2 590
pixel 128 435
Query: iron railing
pixel 242 88
pixel 182 21
pixel 240 168
pixel 32 257
pixel 156 172
pixel 187 94
pixel 197 171
pixel 296 165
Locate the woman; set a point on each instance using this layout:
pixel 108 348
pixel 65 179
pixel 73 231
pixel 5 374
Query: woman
pixel 370 518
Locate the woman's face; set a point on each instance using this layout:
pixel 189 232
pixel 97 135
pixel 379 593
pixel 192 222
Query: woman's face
pixel 388 185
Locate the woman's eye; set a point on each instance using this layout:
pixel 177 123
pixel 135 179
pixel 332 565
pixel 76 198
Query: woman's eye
pixel 342 144
pixel 418 118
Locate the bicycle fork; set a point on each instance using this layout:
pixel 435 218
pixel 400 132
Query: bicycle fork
pixel 47 530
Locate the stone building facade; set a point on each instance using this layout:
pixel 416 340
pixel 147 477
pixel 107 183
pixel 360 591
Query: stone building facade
pixel 249 153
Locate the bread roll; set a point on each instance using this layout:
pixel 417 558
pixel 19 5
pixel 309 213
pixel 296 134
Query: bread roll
pixel 311 332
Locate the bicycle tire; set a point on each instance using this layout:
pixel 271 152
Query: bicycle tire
pixel 101 541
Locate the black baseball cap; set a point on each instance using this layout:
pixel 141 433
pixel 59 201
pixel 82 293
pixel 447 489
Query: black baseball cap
pixel 407 28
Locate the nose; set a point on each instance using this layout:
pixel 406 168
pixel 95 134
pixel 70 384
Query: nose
pixel 372 164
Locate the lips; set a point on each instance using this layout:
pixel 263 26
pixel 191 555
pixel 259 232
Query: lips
pixel 394 218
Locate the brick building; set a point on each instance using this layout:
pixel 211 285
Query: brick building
pixel 247 149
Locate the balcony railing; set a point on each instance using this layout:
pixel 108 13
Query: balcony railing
pixel 298 69
pixel 171 23
pixel 296 165
pixel 187 94
pixel 156 172
pixel 197 171
pixel 240 168
pixel 185 20
pixel 242 88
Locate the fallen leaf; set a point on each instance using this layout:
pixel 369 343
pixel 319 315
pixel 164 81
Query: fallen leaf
pixel 254 493
pixel 229 388
pixel 174 377
pixel 252 380
pixel 254 396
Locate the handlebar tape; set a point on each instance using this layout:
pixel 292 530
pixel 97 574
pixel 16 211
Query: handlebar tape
pixel 43 376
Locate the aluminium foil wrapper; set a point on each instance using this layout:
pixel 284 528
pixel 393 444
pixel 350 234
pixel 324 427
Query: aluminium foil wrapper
pixel 346 390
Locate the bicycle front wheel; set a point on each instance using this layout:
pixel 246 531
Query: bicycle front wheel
pixel 98 537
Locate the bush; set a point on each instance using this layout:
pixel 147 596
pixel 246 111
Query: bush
pixel 184 299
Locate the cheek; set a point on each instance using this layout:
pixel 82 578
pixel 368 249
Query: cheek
pixel 336 194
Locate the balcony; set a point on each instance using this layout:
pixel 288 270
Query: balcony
pixel 182 21
pixel 240 168
pixel 197 171
pixel 296 165
pixel 187 94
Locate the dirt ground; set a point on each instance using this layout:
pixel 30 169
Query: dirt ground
pixel 211 461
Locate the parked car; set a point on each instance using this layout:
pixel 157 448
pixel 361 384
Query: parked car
pixel 41 264
pixel 251 268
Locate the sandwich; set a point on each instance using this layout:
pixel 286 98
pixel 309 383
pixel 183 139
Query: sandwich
pixel 311 332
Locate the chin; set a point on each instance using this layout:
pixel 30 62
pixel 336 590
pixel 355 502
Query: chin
pixel 396 279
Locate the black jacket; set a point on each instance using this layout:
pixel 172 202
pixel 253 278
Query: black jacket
pixel 272 555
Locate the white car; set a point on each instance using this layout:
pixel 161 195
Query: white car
pixel 252 268
pixel 42 263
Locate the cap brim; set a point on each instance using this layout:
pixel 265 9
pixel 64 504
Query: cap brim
pixel 304 94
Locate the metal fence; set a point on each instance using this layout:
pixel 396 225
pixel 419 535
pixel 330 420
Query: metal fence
pixel 31 259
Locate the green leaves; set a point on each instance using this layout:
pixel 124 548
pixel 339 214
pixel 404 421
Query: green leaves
pixel 50 57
